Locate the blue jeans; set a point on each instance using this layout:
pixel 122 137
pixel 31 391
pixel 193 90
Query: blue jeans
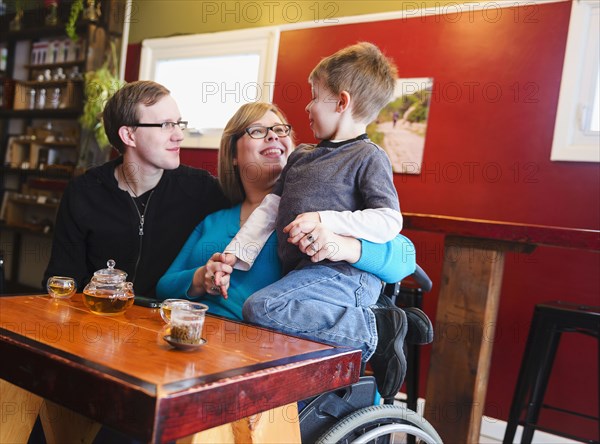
pixel 327 303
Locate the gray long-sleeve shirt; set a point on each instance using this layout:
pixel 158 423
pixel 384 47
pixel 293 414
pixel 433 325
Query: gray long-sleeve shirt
pixel 346 176
pixel 349 183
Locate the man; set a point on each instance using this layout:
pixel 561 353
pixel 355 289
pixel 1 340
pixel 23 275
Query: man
pixel 139 208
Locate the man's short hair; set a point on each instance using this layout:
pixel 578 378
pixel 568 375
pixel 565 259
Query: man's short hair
pixel 364 72
pixel 122 108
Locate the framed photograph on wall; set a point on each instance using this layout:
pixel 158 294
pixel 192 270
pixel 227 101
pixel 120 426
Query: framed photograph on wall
pixel 401 126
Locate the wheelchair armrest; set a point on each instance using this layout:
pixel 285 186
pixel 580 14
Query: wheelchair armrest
pixel 419 277
pixel 422 280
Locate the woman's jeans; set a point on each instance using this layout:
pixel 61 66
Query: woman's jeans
pixel 328 303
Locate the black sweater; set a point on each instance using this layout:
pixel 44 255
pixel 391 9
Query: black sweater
pixel 97 221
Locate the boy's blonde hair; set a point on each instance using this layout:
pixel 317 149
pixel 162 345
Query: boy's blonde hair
pixel 229 174
pixel 364 72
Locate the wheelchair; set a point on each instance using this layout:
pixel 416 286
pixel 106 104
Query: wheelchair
pixel 353 415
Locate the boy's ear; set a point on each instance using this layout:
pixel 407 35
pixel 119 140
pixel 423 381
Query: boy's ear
pixel 127 136
pixel 343 101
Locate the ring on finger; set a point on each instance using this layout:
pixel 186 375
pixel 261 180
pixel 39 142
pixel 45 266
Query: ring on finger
pixel 310 238
pixel 214 288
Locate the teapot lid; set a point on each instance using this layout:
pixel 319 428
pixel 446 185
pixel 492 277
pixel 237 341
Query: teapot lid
pixel 110 274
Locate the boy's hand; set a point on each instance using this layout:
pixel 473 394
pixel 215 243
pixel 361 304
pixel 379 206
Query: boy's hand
pixel 300 227
pixel 219 269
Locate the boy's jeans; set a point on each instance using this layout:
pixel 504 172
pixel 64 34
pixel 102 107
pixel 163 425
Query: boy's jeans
pixel 328 303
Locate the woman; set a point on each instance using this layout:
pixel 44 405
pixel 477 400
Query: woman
pixel 254 149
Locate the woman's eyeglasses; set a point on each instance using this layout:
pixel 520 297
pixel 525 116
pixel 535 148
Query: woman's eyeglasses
pixel 260 132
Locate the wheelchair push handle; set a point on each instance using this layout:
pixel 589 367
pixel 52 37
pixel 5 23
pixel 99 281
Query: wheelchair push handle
pixel 422 279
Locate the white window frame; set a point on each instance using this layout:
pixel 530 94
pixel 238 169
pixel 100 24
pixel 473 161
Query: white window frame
pixel 263 41
pixel 572 142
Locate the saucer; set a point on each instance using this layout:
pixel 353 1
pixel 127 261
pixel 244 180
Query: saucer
pixel 182 345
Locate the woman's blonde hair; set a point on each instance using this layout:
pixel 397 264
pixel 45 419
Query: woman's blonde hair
pixel 229 174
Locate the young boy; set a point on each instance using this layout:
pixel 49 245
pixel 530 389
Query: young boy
pixel 344 183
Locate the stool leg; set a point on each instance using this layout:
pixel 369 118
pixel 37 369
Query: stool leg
pixel 539 388
pixel 526 375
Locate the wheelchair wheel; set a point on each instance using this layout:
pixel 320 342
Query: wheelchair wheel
pixel 381 424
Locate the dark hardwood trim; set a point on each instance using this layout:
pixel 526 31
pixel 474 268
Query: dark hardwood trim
pixel 236 398
pixel 577 238
pixel 212 378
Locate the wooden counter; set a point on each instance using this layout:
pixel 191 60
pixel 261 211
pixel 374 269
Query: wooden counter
pixel 119 371
pixel 469 295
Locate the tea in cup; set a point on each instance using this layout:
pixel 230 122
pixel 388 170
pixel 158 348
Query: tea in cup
pixel 166 307
pixel 187 322
pixel 61 287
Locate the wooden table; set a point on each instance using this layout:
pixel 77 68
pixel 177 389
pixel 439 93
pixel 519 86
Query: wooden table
pixel 474 254
pixel 118 371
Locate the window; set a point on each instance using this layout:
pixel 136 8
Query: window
pixel 211 75
pixel 577 130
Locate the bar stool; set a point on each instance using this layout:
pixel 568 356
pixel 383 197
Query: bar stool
pixel 549 321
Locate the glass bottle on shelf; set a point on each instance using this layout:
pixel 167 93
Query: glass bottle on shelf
pixel 52 17
pixel 31 98
pixel 41 101
pixel 55 101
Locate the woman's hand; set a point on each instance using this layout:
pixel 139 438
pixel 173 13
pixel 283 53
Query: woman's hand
pixel 213 278
pixel 222 277
pixel 301 226
pixel 319 243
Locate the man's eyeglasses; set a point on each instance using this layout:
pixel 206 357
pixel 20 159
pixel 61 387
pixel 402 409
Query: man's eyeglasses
pixel 165 126
pixel 260 132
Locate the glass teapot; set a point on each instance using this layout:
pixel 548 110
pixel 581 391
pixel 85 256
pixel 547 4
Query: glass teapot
pixel 108 293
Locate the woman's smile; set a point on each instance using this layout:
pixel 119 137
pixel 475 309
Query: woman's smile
pixel 272 152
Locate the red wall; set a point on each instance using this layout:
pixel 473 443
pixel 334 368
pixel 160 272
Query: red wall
pixel 496 81
pixel 487 155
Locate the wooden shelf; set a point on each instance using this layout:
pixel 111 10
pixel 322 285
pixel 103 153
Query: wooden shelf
pixel 54 65
pixel 60 113
pixel 45 143
pixel 23 201
pixel 50 45
pixel 26 229
pixel 37 32
pixel 51 173
pixel 33 33
pixel 47 83
pixel 50 184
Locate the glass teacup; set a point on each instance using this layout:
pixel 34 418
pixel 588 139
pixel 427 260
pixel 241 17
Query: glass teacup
pixel 187 322
pixel 166 307
pixel 61 287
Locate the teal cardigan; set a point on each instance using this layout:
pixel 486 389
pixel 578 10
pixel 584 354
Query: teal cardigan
pixel 391 262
